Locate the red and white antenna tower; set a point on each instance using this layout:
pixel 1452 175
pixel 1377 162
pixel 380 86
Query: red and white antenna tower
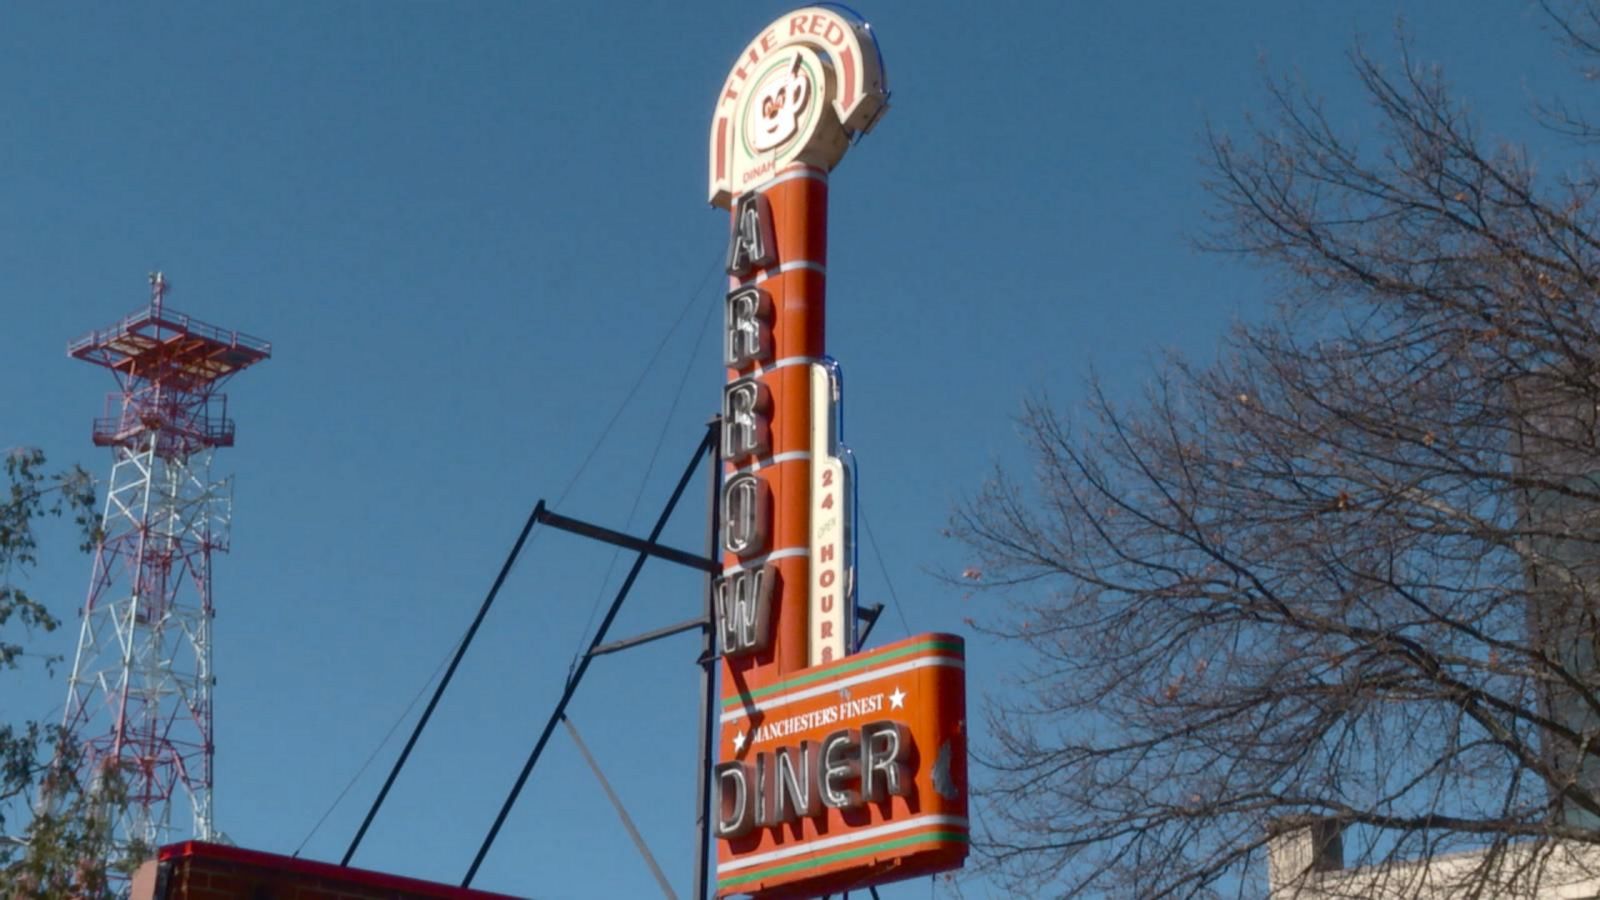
pixel 139 702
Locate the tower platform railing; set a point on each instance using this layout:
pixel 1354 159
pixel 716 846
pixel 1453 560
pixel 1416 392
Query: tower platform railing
pixel 202 421
pixel 156 323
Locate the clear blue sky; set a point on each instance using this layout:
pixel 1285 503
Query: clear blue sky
pixel 465 227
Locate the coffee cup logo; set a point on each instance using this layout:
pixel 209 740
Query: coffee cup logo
pixel 777 105
pixel 797 94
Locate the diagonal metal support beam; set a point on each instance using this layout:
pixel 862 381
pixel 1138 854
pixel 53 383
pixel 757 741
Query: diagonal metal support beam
pixel 628 541
pixel 622 812
pixel 869 615
pixel 648 636
pixel 461 651
pixel 707 445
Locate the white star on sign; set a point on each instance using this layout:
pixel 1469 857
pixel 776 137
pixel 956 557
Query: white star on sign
pixel 897 700
pixel 738 741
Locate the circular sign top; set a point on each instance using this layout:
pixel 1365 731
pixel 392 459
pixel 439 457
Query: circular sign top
pixel 797 93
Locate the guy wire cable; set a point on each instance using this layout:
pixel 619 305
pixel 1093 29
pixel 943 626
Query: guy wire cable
pixel 887 580
pixel 427 713
pixel 415 699
pixel 505 569
pixel 638 497
pixel 570 688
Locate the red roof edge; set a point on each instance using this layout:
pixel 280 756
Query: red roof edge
pixel 201 850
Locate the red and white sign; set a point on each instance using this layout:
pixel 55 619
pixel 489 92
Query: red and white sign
pixel 830 514
pixel 797 92
pixel 837 769
pixel 846 775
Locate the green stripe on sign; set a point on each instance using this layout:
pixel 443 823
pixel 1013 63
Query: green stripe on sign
pixel 844 669
pixel 933 836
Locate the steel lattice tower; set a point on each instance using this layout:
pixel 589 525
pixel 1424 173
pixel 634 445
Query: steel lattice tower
pixel 139 701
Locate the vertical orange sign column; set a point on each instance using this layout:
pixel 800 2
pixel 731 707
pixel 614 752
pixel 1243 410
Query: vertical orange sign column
pixel 774 331
pixel 836 770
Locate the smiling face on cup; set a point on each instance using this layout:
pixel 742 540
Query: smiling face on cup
pixel 775 109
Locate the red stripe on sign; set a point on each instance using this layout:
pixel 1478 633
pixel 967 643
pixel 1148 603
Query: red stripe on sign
pixel 722 148
pixel 848 63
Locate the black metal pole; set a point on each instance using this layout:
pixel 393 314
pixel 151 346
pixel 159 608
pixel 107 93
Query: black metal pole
pixel 627 541
pixel 657 634
pixel 583 662
pixel 708 662
pixel 466 641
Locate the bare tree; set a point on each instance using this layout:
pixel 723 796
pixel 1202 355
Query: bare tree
pixel 1350 573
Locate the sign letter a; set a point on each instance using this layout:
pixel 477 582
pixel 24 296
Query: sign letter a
pixel 751 245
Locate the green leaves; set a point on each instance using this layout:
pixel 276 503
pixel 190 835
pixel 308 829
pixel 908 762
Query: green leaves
pixel 64 848
pixel 32 493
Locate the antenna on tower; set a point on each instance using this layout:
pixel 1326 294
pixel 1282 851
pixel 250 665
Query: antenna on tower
pixel 139 699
